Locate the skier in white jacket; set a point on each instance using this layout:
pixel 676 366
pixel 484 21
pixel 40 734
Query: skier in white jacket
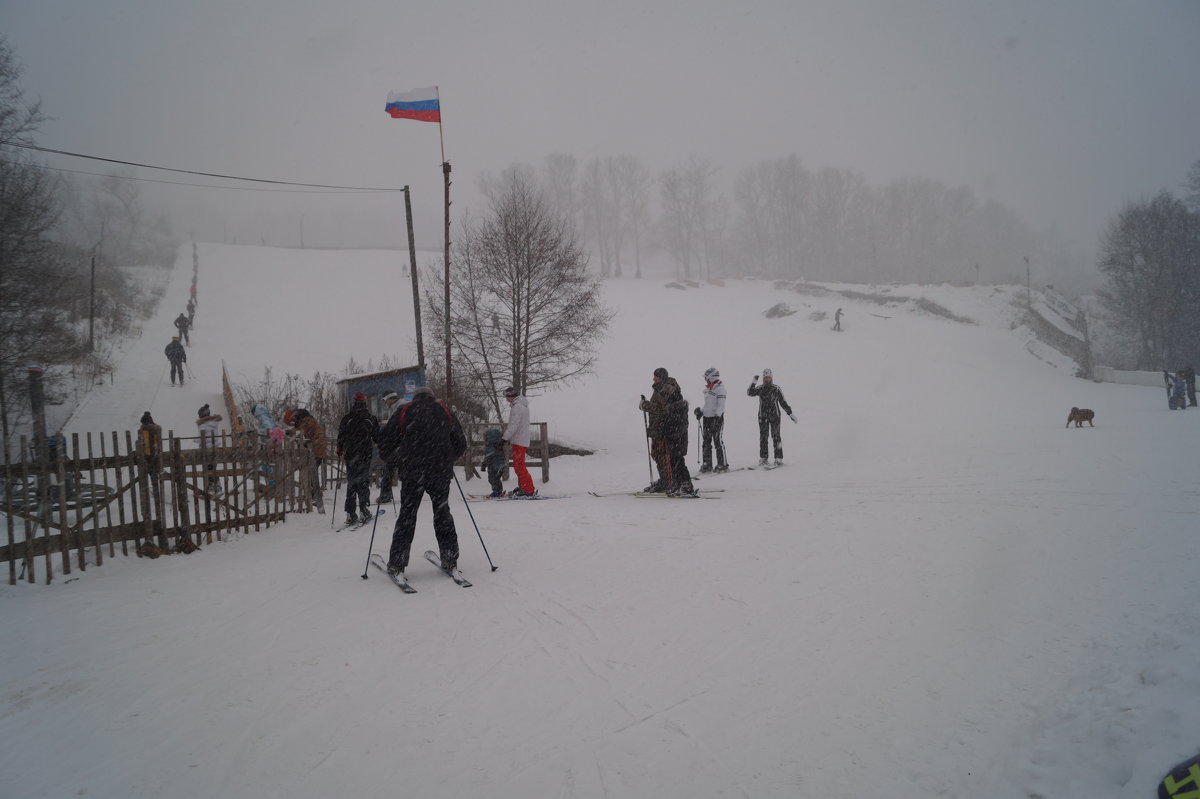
pixel 517 434
pixel 712 417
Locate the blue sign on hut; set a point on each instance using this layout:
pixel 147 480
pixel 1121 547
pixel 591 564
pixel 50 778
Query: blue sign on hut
pixel 374 385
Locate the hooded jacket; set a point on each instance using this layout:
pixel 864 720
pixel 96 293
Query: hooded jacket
pixel 517 431
pixel 357 432
pixel 311 428
pixel 175 352
pixel 209 425
pixel 263 420
pixel 770 400
pixel 422 439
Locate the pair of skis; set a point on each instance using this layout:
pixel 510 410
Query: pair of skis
pixel 658 494
pixel 402 582
pixel 363 522
pixel 507 498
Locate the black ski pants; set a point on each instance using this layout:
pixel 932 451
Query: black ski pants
pixel 768 426
pixel 177 367
pixel 714 439
pixel 677 470
pixel 358 485
pixel 413 486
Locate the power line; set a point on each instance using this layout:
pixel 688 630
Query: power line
pixel 199 185
pixel 192 172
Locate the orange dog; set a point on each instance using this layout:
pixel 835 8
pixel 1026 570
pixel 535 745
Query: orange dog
pixel 1079 416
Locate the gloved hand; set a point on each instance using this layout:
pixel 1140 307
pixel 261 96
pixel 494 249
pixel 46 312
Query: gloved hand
pixel 792 416
pixel 339 452
pixel 756 378
pixel 504 442
pixel 699 414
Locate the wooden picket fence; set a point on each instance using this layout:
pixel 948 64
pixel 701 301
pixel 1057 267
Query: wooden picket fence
pixel 89 497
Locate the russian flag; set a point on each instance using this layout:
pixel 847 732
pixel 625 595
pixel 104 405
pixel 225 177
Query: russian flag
pixel 419 104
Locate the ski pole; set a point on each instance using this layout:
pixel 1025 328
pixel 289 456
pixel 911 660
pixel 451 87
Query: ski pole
pixel 336 484
pixel 370 546
pixel 646 427
pixel 472 515
pixel 698 427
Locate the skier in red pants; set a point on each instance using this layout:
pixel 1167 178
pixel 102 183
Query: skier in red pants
pixel 517 434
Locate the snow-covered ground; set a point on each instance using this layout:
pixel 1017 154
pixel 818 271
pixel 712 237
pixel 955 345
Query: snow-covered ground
pixel 944 593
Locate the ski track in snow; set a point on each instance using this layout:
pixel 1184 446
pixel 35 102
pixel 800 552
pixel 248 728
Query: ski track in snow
pixel 945 593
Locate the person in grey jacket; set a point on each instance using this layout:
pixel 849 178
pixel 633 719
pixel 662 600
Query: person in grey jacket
pixel 770 400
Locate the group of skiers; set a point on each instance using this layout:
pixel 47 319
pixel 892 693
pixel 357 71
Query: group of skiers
pixel 1181 383
pixel 419 444
pixel 667 427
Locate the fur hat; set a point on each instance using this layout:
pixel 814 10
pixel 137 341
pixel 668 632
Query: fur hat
pixel 203 411
pixel 146 418
pixel 360 397
pixel 766 372
pixel 661 373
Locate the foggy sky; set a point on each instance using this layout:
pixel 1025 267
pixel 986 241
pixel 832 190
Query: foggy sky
pixel 1063 110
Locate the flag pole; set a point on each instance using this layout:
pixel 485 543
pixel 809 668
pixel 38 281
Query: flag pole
pixel 446 255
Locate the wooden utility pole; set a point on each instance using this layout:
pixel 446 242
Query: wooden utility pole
pixel 412 268
pixel 92 308
pixel 446 261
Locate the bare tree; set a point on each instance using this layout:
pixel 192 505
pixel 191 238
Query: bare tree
pixel 633 182
pixel 686 198
pixel 34 328
pixel 524 311
pixel 1150 255
pixel 1192 187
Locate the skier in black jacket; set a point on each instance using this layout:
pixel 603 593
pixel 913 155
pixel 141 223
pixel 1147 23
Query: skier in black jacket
pixel 356 443
pixel 672 409
pixel 422 442
pixel 770 400
pixel 177 355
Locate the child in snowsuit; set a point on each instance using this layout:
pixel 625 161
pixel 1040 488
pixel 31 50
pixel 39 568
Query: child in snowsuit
pixel 494 460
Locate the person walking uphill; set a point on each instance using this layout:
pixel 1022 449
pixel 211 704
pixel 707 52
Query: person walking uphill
pixel 770 400
pixel 422 442
pixel 182 323
pixel 517 434
pixel 674 418
pixel 356 442
pixel 712 417
pixel 177 355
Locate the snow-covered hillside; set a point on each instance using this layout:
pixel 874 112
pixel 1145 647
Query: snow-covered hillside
pixel 944 593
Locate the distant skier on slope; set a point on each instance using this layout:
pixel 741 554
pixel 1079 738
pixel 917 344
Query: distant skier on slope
pixel 770 400
pixel 177 355
pixel 182 323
